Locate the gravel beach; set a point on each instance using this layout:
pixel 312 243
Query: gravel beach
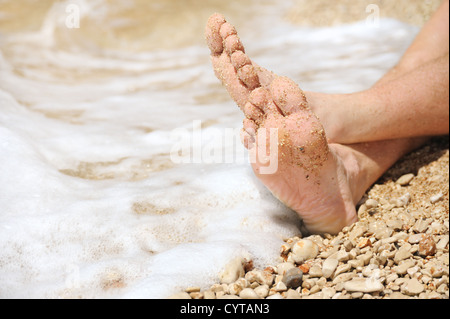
pixel 398 249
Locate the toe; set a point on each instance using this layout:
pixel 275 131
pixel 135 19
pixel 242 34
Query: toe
pixel 260 98
pixel 225 71
pixel 226 30
pixel 232 44
pixel 240 59
pixel 250 127
pixel 212 33
pixel 231 41
pixel 248 133
pixel 245 70
pixel 249 77
pixel 253 113
pixel 287 95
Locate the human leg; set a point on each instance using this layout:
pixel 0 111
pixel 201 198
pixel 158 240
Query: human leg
pixel 411 100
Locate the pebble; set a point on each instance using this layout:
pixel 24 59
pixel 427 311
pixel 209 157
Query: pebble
pixel 398 295
pixel 275 296
pixel 443 242
pixel 280 286
pixel 405 179
pixel 249 293
pixel 315 271
pixel 380 230
pixel 293 278
pixel 363 285
pixel 343 277
pixel 208 294
pixel 236 287
pixel 329 266
pixel 403 200
pixel 342 269
pixel 180 295
pixel 262 291
pixel 427 246
pixel 283 267
pixel 233 271
pixel 371 203
pixel 402 254
pixel 364 242
pixel 391 278
pixel 304 249
pixel 434 199
pixel 342 255
pixel 395 224
pixel 261 277
pixel 358 231
pixel 412 287
pixel 403 267
pixel 421 225
pixel 415 238
pixel 328 292
pixel 293 294
pixel 192 289
pixel 229 297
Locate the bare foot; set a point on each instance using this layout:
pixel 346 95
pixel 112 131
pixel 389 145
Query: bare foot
pixel 314 178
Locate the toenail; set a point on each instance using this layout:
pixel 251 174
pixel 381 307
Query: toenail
pixel 226 30
pixel 233 44
pixel 239 59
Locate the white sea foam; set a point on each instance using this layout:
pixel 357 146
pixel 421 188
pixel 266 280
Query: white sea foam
pixel 92 205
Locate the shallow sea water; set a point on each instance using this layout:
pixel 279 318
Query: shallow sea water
pixel 95 199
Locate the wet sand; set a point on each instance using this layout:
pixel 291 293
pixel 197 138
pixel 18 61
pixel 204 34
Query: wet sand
pixel 326 13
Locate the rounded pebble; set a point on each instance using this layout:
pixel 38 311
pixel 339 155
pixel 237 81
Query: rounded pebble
pixel 304 249
pixel 371 203
pixel 427 246
pixel 329 266
pixel 249 293
pixel 293 278
pixel 434 199
pixel 412 287
pixel 363 285
pixel 405 179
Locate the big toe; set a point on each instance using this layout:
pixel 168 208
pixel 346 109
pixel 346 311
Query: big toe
pixel 287 95
pixel 212 33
